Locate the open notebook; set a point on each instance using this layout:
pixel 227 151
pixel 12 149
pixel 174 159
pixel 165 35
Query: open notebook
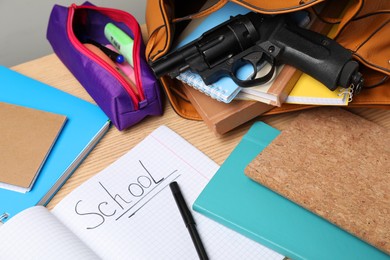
pixel 127 211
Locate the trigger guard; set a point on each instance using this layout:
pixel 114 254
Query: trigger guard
pixel 255 82
pixel 253 59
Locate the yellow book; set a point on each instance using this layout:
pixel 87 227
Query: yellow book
pixel 309 91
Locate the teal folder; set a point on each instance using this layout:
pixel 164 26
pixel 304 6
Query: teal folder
pixel 85 125
pixel 234 200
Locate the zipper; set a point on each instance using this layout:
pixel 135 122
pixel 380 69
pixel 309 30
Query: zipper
pixel 138 99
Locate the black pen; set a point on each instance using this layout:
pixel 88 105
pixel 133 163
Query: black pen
pixel 188 220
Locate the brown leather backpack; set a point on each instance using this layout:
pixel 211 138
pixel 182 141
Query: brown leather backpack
pixel 363 27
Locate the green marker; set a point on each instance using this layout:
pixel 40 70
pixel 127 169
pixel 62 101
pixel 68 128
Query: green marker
pixel 122 42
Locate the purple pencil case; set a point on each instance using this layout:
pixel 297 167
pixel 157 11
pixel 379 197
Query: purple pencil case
pixel 124 103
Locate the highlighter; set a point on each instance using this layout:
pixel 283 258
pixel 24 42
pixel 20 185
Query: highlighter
pixel 122 42
pixel 97 51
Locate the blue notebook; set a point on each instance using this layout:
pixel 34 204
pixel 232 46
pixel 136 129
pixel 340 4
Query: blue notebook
pixel 251 209
pixel 85 125
pixel 225 89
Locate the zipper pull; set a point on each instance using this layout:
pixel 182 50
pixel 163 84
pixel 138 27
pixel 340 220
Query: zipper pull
pixel 143 103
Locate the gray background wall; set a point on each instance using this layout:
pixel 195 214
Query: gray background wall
pixel 24 23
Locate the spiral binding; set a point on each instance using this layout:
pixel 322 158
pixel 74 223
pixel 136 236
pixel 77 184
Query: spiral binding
pixel 3 216
pixel 216 91
pixel 349 91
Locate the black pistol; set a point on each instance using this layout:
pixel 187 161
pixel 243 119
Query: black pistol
pixel 254 38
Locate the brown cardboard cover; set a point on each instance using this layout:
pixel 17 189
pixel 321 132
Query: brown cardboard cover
pixel 26 137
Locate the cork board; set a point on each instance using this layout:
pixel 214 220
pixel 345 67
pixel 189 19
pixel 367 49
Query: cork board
pixel 335 164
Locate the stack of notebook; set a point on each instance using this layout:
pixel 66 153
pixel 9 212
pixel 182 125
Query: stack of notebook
pixel 287 86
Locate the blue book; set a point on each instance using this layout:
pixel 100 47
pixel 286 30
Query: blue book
pixel 199 26
pixel 236 201
pixel 86 124
pixel 225 89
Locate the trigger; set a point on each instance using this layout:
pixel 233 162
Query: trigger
pixel 254 58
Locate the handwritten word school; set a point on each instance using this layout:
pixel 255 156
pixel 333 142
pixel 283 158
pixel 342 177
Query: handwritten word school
pixel 117 205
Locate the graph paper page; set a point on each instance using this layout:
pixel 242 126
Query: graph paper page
pixel 36 234
pixel 127 211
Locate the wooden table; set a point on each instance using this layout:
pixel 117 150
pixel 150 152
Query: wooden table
pixel 50 70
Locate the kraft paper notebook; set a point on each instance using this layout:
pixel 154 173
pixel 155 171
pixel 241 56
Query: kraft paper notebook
pixel 86 124
pixel 26 138
pixel 337 165
pixel 127 211
pixel 238 202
